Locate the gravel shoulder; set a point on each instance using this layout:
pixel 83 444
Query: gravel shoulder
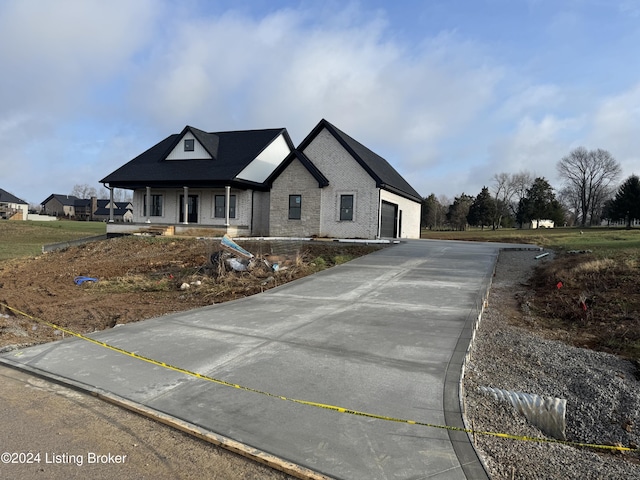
pixel 602 391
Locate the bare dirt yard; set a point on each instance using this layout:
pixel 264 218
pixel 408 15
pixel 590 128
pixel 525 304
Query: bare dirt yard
pixel 137 278
pixel 144 277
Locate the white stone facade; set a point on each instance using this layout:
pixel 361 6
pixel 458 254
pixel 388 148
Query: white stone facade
pixel 409 218
pixel 320 210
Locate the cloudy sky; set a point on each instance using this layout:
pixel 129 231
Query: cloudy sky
pixel 450 92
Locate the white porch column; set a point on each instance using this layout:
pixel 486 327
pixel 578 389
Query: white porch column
pixel 111 204
pixel 227 199
pixel 185 206
pixel 147 210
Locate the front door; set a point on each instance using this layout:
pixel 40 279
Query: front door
pixel 192 205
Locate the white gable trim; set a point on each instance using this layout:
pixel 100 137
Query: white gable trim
pixel 198 153
pixel 265 163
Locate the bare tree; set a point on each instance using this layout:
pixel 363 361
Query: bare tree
pixel 522 181
pixel 508 190
pixel 588 177
pixel 83 191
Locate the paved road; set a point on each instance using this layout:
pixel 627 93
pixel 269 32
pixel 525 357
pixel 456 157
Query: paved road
pixel 384 334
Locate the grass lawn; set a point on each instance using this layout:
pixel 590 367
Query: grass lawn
pixel 24 239
pixel 603 241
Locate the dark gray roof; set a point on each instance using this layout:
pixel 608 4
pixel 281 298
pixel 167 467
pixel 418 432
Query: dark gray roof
pixel 380 170
pixel 68 200
pixel 104 203
pixel 231 152
pixel 6 197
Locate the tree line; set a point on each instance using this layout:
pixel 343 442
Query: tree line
pixel 589 195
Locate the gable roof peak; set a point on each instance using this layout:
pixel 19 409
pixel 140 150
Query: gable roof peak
pixel 377 167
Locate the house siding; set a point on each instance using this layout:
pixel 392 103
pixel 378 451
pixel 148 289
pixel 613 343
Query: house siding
pixel 295 180
pixel 410 227
pixel 346 177
pixel 198 152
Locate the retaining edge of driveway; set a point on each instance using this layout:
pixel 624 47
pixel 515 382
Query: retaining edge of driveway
pixel 471 463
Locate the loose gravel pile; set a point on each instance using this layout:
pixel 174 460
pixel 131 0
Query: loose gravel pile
pixel 602 392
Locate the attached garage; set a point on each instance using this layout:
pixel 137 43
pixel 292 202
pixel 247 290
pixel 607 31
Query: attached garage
pixel 388 220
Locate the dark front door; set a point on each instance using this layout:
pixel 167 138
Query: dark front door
pixel 192 206
pixel 389 220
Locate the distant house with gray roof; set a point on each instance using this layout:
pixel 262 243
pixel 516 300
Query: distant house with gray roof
pixel 256 183
pixel 12 207
pixel 57 205
pixel 90 209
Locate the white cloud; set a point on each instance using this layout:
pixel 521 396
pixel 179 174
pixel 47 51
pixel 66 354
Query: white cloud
pixel 285 70
pixel 615 127
pixel 535 146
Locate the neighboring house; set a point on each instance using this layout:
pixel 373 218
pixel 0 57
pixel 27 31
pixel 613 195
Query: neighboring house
pixel 91 209
pixel 122 211
pixel 256 183
pixel 11 207
pixel 539 224
pixel 57 205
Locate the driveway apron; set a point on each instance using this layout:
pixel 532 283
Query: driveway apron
pixel 384 334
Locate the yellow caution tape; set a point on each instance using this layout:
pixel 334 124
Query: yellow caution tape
pixel 314 404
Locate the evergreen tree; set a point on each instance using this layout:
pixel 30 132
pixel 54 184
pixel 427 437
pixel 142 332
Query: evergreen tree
pixel 539 203
pixel 432 213
pixel 626 204
pixel 458 211
pixel 483 209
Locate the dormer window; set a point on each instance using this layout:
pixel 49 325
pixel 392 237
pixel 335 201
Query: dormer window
pixel 188 145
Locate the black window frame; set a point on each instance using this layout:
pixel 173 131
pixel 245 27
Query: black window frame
pixel 157 203
pixel 346 212
pixel 189 144
pixel 219 209
pixel 295 208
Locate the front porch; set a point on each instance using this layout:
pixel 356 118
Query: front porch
pixel 169 229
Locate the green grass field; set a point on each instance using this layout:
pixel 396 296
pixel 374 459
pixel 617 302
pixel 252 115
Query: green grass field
pixel 24 239
pixel 603 241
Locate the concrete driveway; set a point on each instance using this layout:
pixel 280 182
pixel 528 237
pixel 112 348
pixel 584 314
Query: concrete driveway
pixel 384 334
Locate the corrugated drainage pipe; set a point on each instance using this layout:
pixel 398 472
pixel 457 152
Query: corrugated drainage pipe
pixel 546 413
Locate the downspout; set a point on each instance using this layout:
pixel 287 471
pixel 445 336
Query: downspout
pixel 253 225
pixel 379 213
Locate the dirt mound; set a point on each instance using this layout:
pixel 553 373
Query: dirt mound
pixel 139 278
